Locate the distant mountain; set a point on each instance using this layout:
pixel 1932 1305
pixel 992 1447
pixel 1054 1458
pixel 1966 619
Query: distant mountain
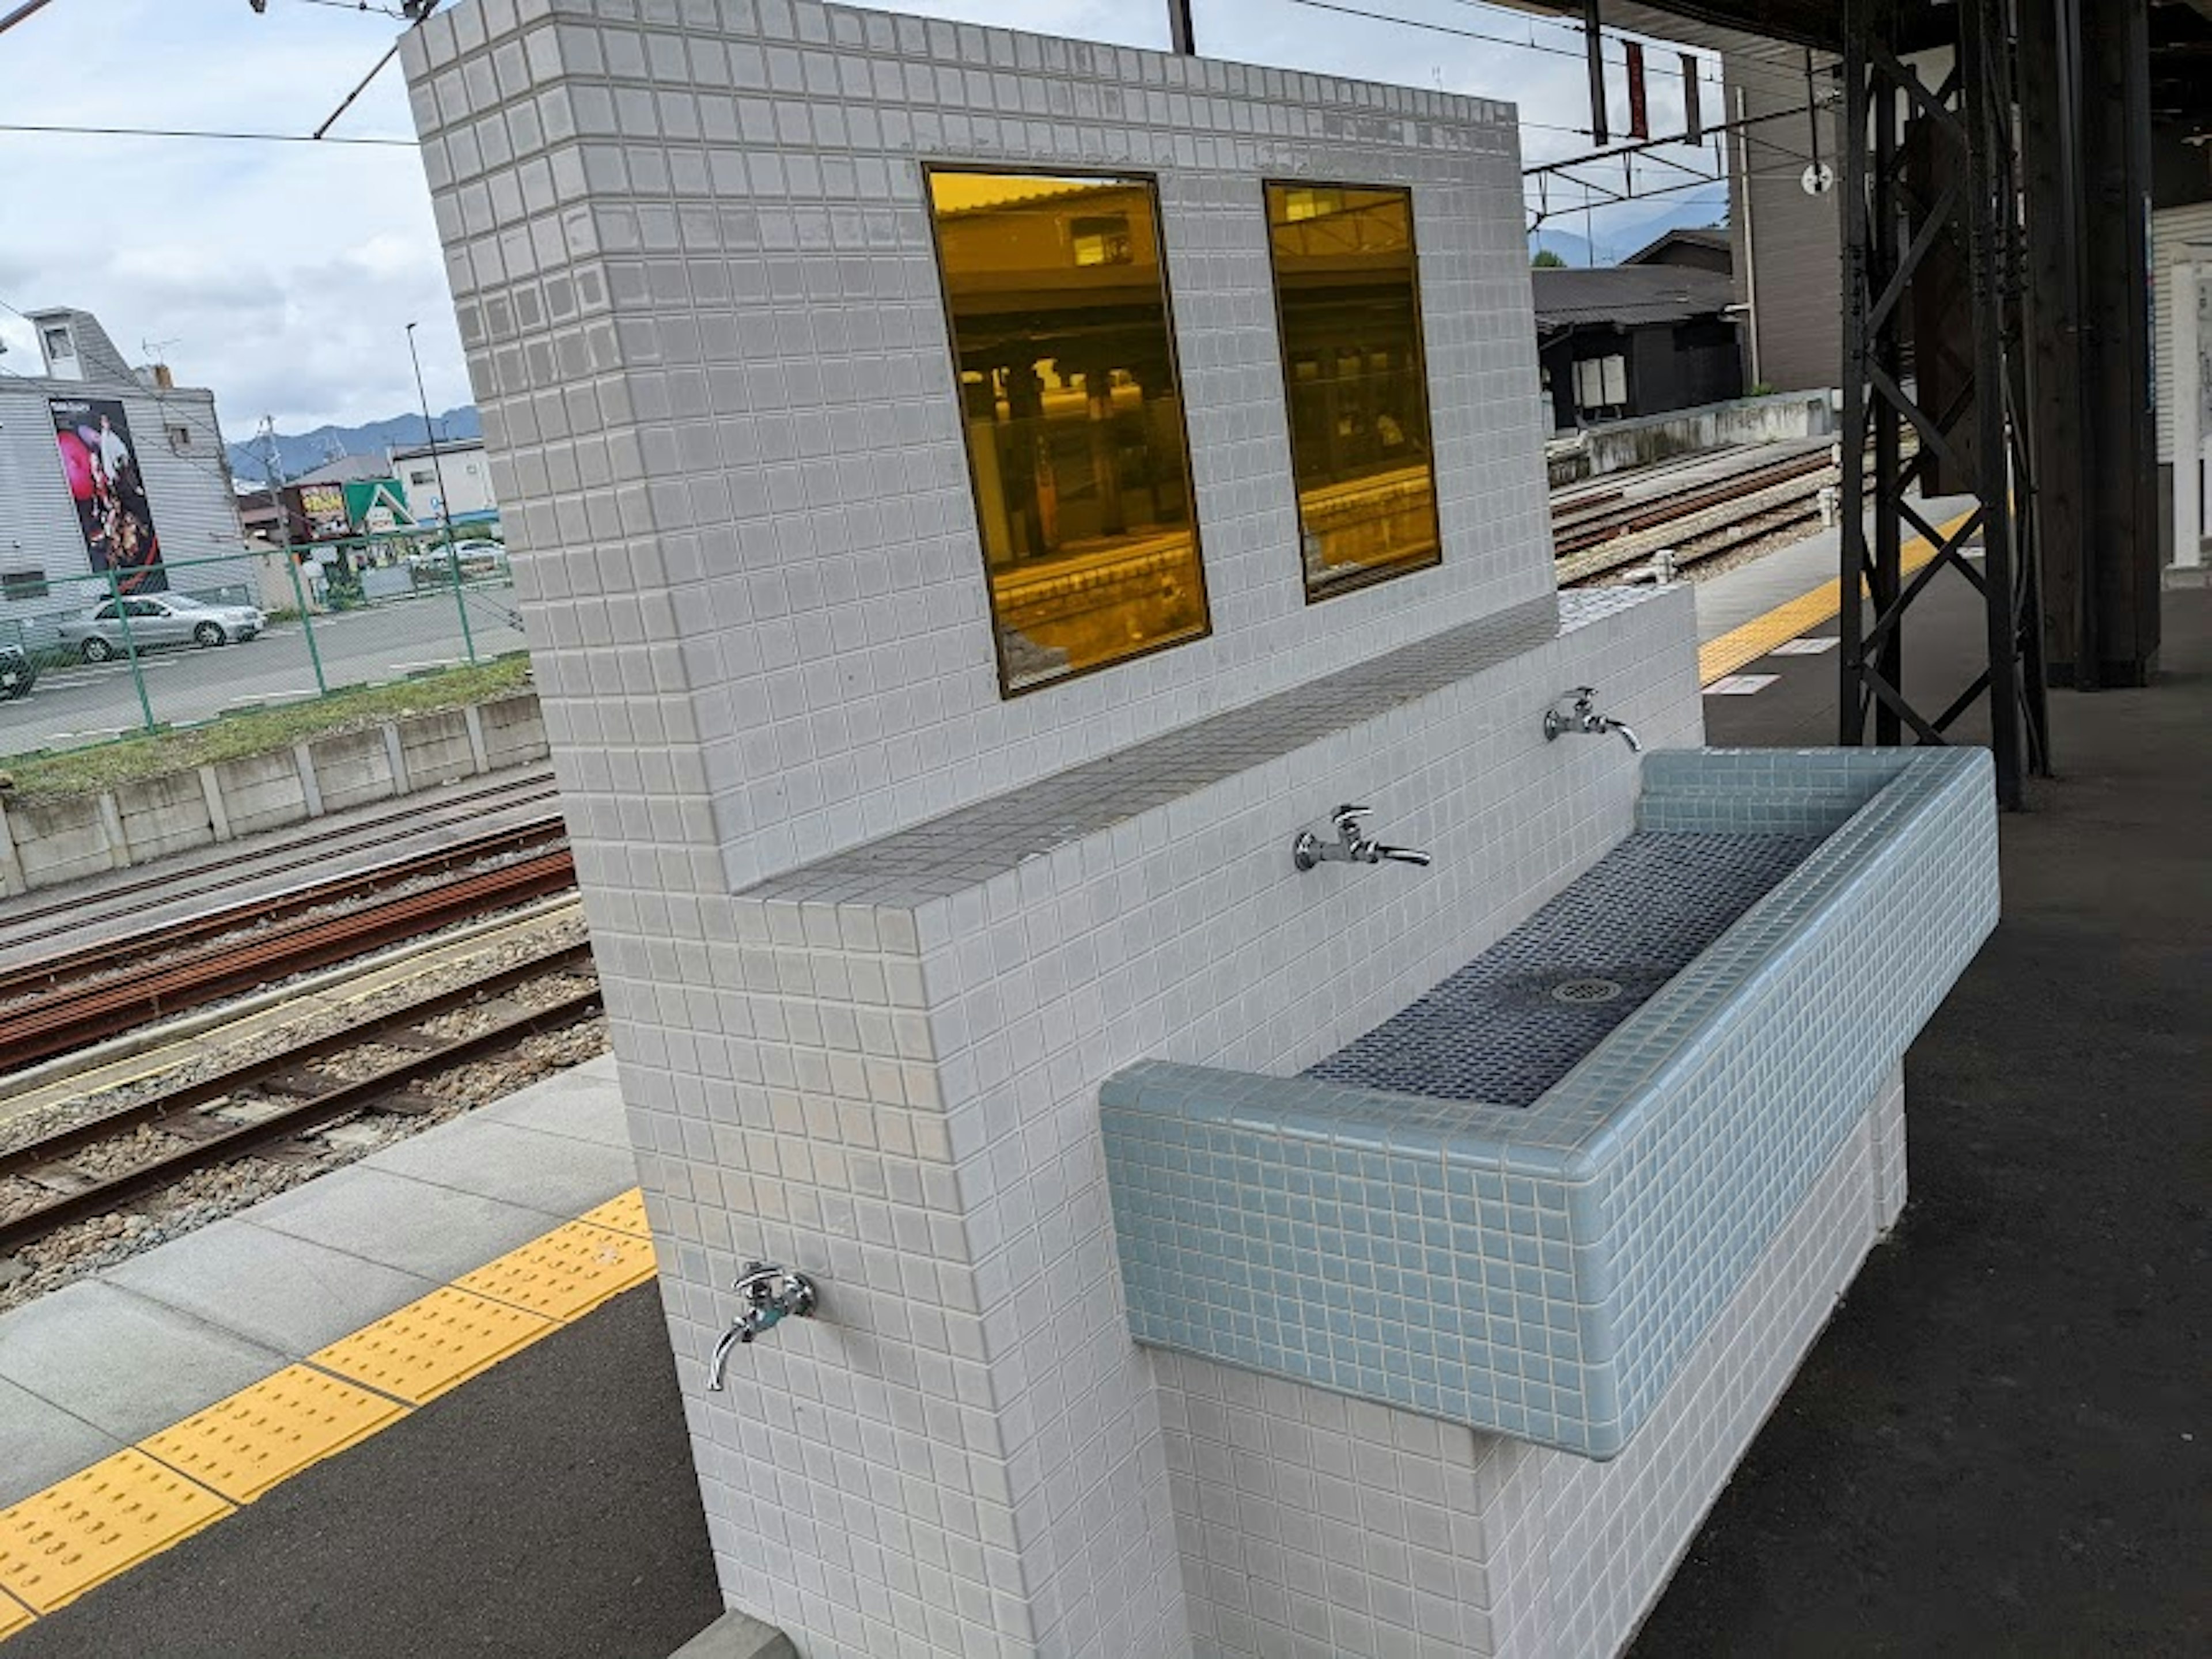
pixel 305 450
pixel 1620 230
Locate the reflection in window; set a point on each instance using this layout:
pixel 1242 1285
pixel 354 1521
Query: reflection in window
pixel 1058 312
pixel 1350 308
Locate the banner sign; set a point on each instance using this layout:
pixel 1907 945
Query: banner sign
pixel 323 506
pixel 100 463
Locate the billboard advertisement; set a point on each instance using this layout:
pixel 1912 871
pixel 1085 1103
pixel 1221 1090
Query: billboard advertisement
pixel 100 463
pixel 323 506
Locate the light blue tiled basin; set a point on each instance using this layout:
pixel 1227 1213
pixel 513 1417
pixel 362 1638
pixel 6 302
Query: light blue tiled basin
pixel 1542 1270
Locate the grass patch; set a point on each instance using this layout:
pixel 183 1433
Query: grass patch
pixel 257 731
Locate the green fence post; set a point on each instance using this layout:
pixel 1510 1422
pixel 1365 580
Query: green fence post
pixel 307 624
pixel 129 647
pixel 460 598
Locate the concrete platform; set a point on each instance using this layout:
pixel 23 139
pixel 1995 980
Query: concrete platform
pixel 156 1339
pixel 1997 1447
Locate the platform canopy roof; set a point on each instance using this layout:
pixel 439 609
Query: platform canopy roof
pixel 1781 30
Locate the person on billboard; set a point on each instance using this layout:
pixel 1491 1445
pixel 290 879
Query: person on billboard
pixel 114 453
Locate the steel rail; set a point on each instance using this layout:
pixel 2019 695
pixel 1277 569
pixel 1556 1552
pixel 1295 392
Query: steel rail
pixel 454 808
pixel 205 1147
pixel 1580 533
pixel 48 972
pixel 77 1014
pixel 63 1143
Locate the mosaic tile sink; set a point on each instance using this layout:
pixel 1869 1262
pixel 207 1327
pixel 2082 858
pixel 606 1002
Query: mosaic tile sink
pixel 1518 1204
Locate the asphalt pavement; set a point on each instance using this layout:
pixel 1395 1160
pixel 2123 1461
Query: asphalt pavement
pixel 90 702
pixel 547 1510
pixel 1999 1446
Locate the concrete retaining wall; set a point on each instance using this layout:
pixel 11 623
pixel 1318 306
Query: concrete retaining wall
pixel 46 843
pixel 1595 450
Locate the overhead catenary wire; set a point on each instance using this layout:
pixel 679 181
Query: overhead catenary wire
pixel 1743 69
pixel 68 131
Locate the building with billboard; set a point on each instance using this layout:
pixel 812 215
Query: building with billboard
pixel 455 480
pixel 111 478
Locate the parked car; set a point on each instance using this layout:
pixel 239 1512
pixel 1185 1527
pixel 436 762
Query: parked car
pixel 18 673
pixel 159 619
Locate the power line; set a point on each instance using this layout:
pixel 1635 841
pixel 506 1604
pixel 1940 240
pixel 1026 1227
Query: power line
pixel 1577 54
pixel 182 132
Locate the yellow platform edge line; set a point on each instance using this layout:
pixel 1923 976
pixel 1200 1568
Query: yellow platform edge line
pixel 98 1524
pixel 254 1440
pixel 1719 658
pixel 170 1452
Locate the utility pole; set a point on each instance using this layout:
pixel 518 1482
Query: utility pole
pixel 272 475
pixel 445 508
pixel 1182 41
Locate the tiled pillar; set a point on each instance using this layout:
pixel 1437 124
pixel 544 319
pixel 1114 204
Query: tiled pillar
pixel 694 274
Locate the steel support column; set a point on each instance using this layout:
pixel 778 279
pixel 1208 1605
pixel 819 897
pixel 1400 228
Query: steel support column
pixel 2051 155
pixel 2118 639
pixel 1891 234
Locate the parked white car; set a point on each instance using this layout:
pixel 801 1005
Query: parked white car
pixel 156 620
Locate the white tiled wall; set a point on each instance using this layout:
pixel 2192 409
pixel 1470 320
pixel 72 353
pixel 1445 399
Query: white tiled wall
pixel 911 1115
pixel 690 257
pixel 1315 1526
pixel 689 250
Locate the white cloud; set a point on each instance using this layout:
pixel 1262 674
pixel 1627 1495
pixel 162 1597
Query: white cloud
pixel 285 274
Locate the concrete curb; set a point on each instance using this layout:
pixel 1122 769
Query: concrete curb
pixel 64 1066
pixel 734 1636
pixel 49 843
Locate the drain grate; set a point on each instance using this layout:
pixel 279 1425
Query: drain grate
pixel 1583 992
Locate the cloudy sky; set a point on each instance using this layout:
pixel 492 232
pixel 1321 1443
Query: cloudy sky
pixel 284 276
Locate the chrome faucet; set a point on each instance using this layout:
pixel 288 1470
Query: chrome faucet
pixel 1352 844
pixel 1581 715
pixel 772 1294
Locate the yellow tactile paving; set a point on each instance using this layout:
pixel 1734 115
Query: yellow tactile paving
pixel 624 1214
pixel 14 1616
pixel 565 1273
pixel 433 1345
pixel 1719 658
pixel 59 1543
pixel 261 1435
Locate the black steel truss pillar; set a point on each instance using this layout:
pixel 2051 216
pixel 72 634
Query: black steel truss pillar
pixel 1929 184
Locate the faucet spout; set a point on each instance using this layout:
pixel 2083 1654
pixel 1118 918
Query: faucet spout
pixel 730 1338
pixel 1577 711
pixel 772 1294
pixel 1353 845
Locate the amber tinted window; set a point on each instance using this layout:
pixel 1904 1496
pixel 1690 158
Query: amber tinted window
pixel 1059 311
pixel 1349 305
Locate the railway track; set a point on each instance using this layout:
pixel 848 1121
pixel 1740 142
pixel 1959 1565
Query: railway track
pixel 79 996
pixel 24 924
pixel 1580 530
pixel 262 1102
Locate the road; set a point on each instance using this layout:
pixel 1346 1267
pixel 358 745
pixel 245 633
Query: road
pixel 91 702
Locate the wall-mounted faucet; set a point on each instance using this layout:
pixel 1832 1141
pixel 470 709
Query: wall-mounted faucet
pixel 1577 713
pixel 1352 844
pixel 772 1294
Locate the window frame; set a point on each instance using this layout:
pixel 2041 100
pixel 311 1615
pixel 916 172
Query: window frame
pixel 1150 180
pixel 1395 569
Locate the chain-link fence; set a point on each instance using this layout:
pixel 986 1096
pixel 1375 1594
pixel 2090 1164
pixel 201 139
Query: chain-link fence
pixel 89 659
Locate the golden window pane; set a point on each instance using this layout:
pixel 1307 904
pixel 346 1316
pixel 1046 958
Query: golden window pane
pixel 1058 304
pixel 1348 301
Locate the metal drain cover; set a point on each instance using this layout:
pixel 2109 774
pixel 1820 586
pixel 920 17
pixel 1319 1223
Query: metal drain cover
pixel 1585 991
